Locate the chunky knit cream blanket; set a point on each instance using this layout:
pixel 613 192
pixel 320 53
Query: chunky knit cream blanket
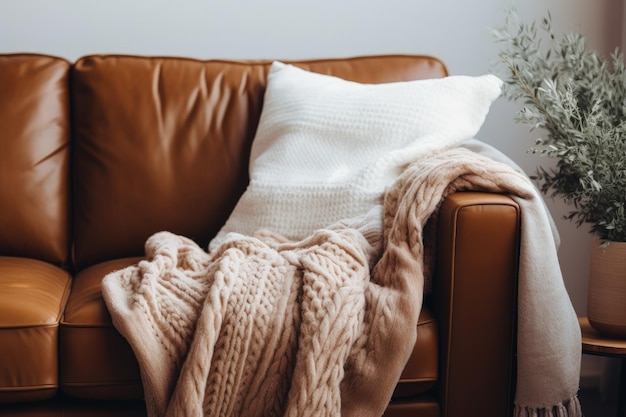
pixel 262 326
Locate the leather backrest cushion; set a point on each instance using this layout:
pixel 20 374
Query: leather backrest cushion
pixel 34 157
pixel 162 143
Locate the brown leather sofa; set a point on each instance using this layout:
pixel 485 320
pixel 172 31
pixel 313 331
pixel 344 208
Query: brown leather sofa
pixel 98 154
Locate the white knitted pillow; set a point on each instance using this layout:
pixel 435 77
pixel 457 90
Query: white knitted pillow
pixel 326 148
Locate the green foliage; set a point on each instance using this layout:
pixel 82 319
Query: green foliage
pixel 578 98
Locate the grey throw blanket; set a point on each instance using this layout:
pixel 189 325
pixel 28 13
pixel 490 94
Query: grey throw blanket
pixel 549 339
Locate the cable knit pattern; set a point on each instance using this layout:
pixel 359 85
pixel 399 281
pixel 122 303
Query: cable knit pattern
pixel 263 326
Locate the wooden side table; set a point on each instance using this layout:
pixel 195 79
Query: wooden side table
pixel 596 344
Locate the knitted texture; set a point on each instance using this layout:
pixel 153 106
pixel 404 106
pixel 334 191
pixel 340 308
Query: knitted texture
pixel 267 327
pixel 548 335
pixel 329 147
pixel 264 326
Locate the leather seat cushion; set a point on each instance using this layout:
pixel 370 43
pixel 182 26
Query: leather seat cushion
pixel 421 371
pixel 97 363
pixel 32 296
pixel 423 406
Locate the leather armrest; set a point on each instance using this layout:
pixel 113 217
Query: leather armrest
pixel 474 298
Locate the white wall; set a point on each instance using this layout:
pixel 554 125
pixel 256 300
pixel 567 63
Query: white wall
pixel 458 31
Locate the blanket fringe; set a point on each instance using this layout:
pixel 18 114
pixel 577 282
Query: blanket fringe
pixel 568 408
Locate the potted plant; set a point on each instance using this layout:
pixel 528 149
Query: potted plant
pixel 577 98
